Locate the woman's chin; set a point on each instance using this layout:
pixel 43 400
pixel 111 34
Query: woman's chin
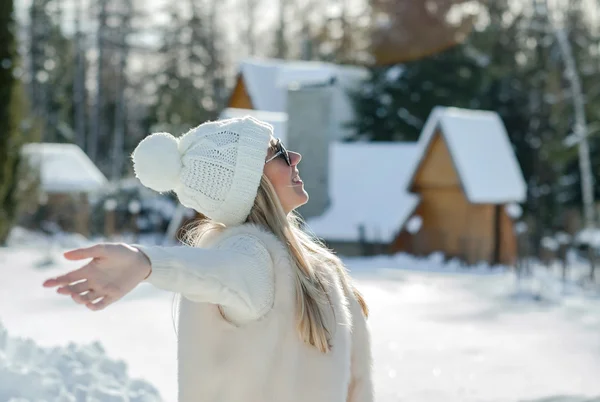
pixel 301 196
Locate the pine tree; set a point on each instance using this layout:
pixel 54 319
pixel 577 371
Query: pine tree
pixel 51 71
pixel 14 133
pixel 395 103
pixel 190 80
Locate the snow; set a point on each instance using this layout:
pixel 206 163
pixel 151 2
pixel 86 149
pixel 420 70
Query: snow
pixel 414 224
pixel 267 82
pixel 550 243
pixel 277 119
pixel 563 238
pixel 521 227
pixel 513 210
pixel 441 331
pixel 589 236
pixel 393 73
pixel 481 153
pixel 312 74
pixel 65 374
pixel 358 174
pixel 64 168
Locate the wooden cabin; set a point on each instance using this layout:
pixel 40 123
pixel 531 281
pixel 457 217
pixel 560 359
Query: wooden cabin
pixel 466 176
pixel 457 180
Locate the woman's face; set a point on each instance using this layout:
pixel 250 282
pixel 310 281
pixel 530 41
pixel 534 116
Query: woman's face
pixel 285 178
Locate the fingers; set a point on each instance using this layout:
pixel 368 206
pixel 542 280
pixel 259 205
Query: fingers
pixel 86 298
pixel 97 251
pixel 79 287
pixel 100 305
pixel 67 279
pixel 94 299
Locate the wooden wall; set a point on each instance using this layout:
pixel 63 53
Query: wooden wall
pixel 508 239
pixel 451 223
pixel 239 97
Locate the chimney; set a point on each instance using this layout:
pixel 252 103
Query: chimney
pixel 309 133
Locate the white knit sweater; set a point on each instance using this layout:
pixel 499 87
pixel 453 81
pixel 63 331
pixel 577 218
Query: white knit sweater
pixel 255 353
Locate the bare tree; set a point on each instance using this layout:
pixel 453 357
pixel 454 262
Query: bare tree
pixel 120 121
pixel 281 46
pixel 79 91
pixel 96 129
pixel 38 31
pixel 251 6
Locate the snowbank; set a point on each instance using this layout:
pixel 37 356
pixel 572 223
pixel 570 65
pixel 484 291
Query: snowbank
pixel 70 374
pixel 432 263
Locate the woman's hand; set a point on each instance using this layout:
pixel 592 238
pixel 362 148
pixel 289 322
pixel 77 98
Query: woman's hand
pixel 115 270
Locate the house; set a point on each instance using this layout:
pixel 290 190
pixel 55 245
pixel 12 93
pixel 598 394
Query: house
pixel 263 84
pixel 67 179
pixel 467 177
pixel 449 192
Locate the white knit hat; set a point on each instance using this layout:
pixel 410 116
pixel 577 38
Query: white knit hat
pixel 215 168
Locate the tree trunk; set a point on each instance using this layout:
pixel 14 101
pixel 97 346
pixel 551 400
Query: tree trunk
pixel 121 112
pixel 8 121
pixel 281 48
pixel 250 28
pixel 96 130
pixel 79 91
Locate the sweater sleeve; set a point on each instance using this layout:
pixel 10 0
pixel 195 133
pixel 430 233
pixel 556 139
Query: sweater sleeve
pixel 361 377
pixel 237 275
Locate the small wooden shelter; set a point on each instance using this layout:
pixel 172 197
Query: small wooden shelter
pixel 466 176
pixel 67 178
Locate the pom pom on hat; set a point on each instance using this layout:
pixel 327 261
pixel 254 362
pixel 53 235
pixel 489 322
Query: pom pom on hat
pixel 157 162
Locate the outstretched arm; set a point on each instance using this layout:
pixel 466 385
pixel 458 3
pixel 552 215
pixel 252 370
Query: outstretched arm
pixel 238 275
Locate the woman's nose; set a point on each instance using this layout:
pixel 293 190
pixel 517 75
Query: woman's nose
pixel 295 158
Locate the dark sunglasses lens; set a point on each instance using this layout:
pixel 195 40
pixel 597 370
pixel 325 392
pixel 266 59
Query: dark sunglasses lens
pixel 284 154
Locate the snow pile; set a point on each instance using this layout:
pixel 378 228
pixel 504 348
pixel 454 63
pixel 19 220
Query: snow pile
pixel 545 283
pixel 74 373
pixel 432 263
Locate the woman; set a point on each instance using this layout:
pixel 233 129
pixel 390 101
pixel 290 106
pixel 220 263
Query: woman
pixel 266 312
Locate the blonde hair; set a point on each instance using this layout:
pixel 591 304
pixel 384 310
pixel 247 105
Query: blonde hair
pixel 310 258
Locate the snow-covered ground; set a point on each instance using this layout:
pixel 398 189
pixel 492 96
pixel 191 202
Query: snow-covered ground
pixel 440 333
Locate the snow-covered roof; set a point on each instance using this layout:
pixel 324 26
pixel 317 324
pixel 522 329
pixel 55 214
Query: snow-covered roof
pixel 267 82
pixel 277 119
pixel 64 168
pixel 481 152
pixel 367 186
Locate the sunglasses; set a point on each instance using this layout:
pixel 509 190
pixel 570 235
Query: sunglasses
pixel 281 152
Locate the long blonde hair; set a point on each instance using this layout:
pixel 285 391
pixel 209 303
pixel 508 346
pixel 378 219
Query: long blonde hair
pixel 309 256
